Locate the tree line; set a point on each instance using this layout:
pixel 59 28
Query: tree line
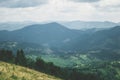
pixel 47 67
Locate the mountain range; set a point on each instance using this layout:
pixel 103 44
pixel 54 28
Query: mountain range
pixel 57 35
pixel 78 25
pixel 82 25
pixel 45 34
pixel 56 43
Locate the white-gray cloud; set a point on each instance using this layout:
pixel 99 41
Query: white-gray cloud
pixel 89 1
pixel 108 5
pixel 21 3
pixel 64 10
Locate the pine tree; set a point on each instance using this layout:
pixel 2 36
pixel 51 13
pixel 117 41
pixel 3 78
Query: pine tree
pixel 20 58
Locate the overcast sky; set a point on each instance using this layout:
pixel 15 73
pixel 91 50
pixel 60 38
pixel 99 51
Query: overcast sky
pixel 59 10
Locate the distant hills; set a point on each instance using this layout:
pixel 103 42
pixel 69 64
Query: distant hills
pixel 89 47
pixel 88 50
pixel 78 25
pixel 13 25
pixel 104 39
pixel 64 46
pixel 89 24
pixel 44 34
pixel 58 37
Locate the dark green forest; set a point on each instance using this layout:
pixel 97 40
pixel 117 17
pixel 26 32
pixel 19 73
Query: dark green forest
pixel 93 71
pixel 47 67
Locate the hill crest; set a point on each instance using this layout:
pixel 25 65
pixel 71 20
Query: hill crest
pixel 14 72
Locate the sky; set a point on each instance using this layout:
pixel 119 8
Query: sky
pixel 59 10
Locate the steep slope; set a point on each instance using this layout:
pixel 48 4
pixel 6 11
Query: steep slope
pixel 13 72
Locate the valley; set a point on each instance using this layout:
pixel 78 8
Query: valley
pixel 87 51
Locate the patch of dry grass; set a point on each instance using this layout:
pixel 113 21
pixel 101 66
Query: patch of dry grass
pixel 14 72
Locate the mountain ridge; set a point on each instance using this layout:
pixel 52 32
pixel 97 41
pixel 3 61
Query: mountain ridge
pixel 83 25
pixel 57 36
pixel 45 33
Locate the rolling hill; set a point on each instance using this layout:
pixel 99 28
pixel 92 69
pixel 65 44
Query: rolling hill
pixel 14 72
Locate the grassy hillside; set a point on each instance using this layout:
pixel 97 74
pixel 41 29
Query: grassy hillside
pixel 14 72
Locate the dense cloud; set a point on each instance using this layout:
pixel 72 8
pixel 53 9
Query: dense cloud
pixel 59 10
pixel 21 3
pixel 89 1
pixel 108 5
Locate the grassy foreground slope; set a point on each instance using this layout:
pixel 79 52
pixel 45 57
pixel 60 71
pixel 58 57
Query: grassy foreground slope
pixel 14 72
